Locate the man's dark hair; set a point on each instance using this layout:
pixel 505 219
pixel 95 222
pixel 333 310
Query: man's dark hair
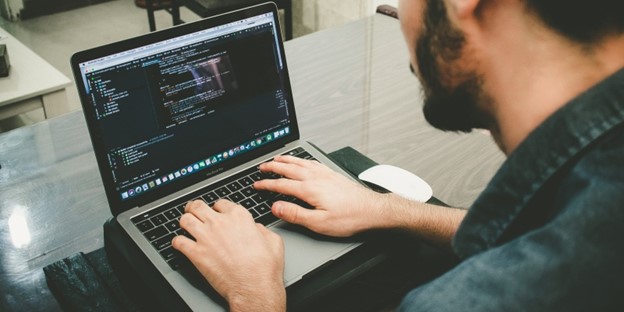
pixel 584 21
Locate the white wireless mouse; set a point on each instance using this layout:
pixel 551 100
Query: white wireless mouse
pixel 398 181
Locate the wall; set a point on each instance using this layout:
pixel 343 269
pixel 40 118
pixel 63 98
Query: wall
pixel 376 3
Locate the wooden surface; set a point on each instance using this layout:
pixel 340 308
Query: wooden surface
pixel 30 78
pixel 352 86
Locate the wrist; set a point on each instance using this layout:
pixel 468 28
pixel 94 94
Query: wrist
pixel 380 207
pixel 394 212
pixel 265 298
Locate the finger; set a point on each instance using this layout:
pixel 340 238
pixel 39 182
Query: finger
pixel 294 160
pixel 226 206
pixel 184 245
pixel 199 209
pixel 291 171
pixel 282 186
pixel 192 225
pixel 295 214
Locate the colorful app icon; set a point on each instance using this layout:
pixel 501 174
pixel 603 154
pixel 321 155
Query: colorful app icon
pixel 183 171
pixel 138 189
pixel 269 137
pixel 276 134
pixel 231 152
pixel 195 166
pixel 213 160
pixel 165 179
pixel 124 195
pixel 158 181
pixel 152 184
pixel 253 143
pixel 145 187
pixel 131 192
pixel 202 164
pixel 177 174
pixel 171 176
pixel 282 132
pixel 225 155
pixel 287 130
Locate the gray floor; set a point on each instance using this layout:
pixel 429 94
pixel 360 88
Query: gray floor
pixel 56 37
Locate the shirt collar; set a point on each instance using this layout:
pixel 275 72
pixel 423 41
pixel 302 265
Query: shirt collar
pixel 542 154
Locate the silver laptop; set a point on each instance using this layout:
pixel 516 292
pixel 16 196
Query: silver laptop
pixel 189 113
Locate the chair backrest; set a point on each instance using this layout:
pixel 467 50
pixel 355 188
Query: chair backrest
pixel 388 10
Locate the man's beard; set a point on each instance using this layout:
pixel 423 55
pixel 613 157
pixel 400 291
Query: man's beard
pixel 449 108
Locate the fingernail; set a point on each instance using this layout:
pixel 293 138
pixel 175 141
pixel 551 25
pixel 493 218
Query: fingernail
pixel 277 208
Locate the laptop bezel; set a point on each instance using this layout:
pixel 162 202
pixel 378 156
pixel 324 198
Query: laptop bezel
pixel 116 204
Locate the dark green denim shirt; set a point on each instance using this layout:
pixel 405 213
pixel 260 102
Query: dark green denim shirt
pixel 547 234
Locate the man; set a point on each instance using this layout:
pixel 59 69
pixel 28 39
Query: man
pixel 547 79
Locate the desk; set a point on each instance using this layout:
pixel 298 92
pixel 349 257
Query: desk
pixel 32 83
pixel 351 87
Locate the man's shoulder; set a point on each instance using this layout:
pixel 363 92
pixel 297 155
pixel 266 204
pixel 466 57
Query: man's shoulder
pixel 594 185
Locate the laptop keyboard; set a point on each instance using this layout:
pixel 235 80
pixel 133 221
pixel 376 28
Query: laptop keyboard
pixel 162 224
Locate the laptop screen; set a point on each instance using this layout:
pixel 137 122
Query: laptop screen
pixel 173 112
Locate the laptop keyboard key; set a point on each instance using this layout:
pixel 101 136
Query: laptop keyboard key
pixel 163 242
pixel 246 181
pixel 156 233
pixel 173 225
pixel 145 225
pixel 263 208
pixel 234 186
pixel 236 197
pixel 263 196
pixel 248 203
pixel 178 262
pixel 256 176
pixel 267 219
pixel 222 192
pixel 168 253
pixel 248 191
pixel 172 213
pixel 159 219
pixel 210 197
pixel 254 213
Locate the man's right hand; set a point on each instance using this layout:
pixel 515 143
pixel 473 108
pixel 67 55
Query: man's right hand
pixel 342 207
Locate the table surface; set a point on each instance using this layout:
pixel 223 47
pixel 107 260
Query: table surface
pixel 29 75
pixel 352 87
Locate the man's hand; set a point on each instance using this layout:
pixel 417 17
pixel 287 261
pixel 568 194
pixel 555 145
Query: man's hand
pixel 343 207
pixel 241 259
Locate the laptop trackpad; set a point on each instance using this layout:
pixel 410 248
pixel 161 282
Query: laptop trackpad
pixel 306 250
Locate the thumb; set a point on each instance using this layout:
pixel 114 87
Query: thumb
pixel 293 213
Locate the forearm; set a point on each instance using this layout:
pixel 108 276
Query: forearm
pixel 435 224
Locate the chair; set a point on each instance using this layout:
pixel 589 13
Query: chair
pixel 206 8
pixel 388 10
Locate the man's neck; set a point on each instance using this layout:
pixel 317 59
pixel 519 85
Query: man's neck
pixel 533 73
